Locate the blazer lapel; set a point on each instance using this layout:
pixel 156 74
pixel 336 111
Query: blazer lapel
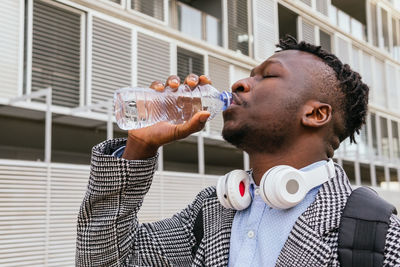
pixel 307 242
pixel 217 232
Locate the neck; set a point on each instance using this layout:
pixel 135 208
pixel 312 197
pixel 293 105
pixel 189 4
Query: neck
pixel 297 157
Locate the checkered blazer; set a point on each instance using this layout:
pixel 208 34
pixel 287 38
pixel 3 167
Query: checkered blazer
pixel 110 235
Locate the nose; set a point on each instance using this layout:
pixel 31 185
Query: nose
pixel 242 85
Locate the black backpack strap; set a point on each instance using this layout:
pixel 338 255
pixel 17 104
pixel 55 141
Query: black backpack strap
pixel 363 227
pixel 198 228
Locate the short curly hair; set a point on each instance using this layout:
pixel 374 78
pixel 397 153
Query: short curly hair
pixel 354 90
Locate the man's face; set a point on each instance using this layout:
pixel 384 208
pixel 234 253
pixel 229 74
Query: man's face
pixel 265 115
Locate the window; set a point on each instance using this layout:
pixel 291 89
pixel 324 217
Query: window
pixel 238 32
pixel 374 26
pixel 153 8
pixel 189 62
pixel 287 22
pixel 181 156
pixel 325 40
pixel 385 29
pixel 379 84
pixel 374 135
pixel 395 140
pixel 362 142
pixel 393 100
pixel 344 21
pixel 56 52
pixel 348 167
pixel 201 21
pixel 365 171
pixel 213 32
pixel 355 64
pixel 220 160
pixel 396 38
pixel 350 16
pixel 394 181
pixel 190 21
pixel 384 137
pixel 380 176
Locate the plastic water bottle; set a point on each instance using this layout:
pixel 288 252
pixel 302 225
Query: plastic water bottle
pixel 141 107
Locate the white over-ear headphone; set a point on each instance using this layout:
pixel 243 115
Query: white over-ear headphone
pixel 281 187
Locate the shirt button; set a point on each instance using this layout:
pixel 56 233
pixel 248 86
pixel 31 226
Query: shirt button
pixel 250 234
pixel 257 191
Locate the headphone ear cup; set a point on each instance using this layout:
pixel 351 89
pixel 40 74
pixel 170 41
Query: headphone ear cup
pixel 222 193
pixel 283 187
pixel 233 190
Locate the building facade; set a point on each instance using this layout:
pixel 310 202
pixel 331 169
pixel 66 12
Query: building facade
pixel 61 61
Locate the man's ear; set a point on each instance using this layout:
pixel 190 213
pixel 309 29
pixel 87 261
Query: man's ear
pixel 316 114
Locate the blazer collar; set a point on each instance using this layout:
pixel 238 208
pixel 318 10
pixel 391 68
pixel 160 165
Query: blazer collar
pixel 306 245
pixel 305 242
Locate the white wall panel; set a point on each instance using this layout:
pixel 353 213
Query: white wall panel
pixel 23 215
pixel 9 47
pixel 308 32
pixel 264 24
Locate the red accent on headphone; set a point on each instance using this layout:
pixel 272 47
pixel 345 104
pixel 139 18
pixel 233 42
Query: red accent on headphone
pixel 241 188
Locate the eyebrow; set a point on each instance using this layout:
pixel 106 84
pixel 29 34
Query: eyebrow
pixel 266 64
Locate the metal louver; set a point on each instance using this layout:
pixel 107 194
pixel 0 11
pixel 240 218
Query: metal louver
pixel 308 32
pixel 153 8
pixel 264 28
pixel 10 42
pixel 189 62
pixel 219 74
pixel 149 70
pixel 56 45
pixel 325 40
pixel 111 59
pixel 238 32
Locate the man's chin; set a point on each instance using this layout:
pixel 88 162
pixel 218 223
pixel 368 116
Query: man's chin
pixel 235 137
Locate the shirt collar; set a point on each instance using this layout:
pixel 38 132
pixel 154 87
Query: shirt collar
pixel 310 167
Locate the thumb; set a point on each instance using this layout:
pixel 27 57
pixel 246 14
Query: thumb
pixel 195 124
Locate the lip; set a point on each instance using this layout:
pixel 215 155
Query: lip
pixel 236 100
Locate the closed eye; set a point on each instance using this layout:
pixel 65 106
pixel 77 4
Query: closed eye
pixel 269 76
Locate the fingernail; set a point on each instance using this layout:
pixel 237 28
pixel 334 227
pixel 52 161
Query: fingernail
pixel 203 119
pixel 193 79
pixel 174 82
pixel 159 87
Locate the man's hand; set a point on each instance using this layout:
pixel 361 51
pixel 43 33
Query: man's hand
pixel 144 143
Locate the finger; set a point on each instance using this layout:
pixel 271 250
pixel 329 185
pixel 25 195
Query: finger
pixel 192 80
pixel 204 79
pixel 158 86
pixel 173 82
pixel 195 124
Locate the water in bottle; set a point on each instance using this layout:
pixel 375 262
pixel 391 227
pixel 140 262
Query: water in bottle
pixel 141 107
